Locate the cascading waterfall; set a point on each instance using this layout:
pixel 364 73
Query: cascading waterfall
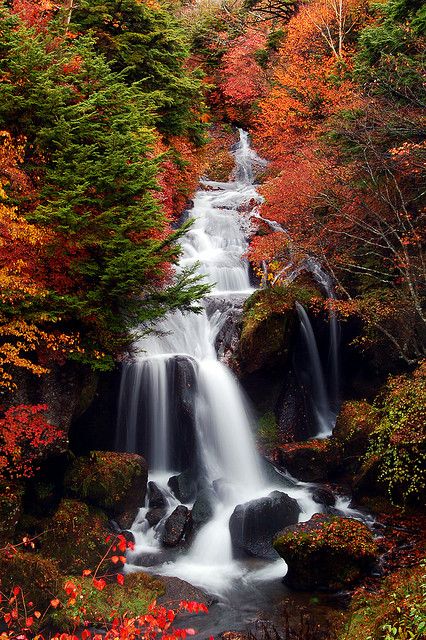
pixel 323 412
pixel 181 407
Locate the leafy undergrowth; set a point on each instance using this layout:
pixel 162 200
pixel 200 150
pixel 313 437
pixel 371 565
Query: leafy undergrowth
pixel 100 605
pixel 397 611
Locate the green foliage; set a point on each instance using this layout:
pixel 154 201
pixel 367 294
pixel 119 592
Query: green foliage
pixel 90 145
pixel 148 45
pixel 138 591
pixel 399 441
pixel 268 428
pixel 396 612
pixel 391 50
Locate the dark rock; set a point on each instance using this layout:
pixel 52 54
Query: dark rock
pixel 326 553
pixel 322 495
pixel 254 524
pixel 367 480
pixel 184 486
pixel 156 498
pixel 312 461
pixel 294 411
pixel 203 508
pixel 226 343
pixel 177 589
pixel 177 526
pixel 115 482
pixel 154 516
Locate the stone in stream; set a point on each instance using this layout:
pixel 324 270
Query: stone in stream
pixel 156 498
pixel 326 553
pixel 184 486
pixel 254 524
pixel 324 496
pixel 203 508
pixel 177 526
pixel 154 516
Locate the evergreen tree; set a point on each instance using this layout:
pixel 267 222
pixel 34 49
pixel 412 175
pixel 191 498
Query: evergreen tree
pixel 89 155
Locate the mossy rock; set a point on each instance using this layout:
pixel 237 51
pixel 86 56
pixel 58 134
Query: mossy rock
pixel 133 597
pixel 11 496
pixel 326 553
pixel 355 423
pixel 76 536
pixel 37 576
pixel 115 482
pixel 311 461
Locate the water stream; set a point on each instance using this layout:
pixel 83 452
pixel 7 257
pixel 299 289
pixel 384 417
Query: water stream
pixel 176 396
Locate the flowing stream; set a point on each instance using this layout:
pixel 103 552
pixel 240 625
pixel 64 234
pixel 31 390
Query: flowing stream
pixel 181 407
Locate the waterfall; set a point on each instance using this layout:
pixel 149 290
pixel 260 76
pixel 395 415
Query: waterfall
pixel 323 412
pixel 183 409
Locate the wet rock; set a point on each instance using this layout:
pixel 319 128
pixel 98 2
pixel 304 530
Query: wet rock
pixel 183 486
pixel 322 495
pixel 254 524
pixel 115 482
pixel 312 461
pixel 177 589
pixel 156 497
pixel 203 508
pixel 154 516
pixel 177 526
pixel 326 553
pixel 367 480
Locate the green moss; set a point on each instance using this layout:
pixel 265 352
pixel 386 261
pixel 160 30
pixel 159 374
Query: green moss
pixel 112 481
pixel 332 532
pixel 76 536
pixel 38 577
pixel 133 597
pixel 355 423
pixel 268 428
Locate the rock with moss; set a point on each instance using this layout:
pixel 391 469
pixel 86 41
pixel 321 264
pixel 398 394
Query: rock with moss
pixel 269 322
pixel 37 576
pixel 138 591
pixel 76 536
pixel 115 482
pixel 311 461
pixel 11 495
pixel 326 553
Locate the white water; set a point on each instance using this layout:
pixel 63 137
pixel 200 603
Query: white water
pixel 225 447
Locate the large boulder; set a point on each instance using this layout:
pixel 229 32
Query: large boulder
pixel 326 553
pixel 177 526
pixel 254 524
pixel 114 482
pixel 311 461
